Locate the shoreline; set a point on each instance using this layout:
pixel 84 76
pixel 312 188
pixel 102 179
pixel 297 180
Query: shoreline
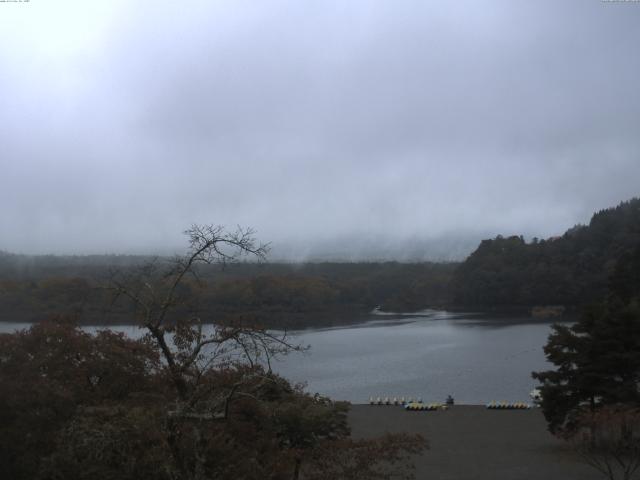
pixel 470 442
pixel 320 320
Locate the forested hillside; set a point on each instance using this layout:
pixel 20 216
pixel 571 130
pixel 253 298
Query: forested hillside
pixel 570 270
pixel 276 295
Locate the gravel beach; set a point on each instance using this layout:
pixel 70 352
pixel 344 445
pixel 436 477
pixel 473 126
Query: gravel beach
pixel 469 442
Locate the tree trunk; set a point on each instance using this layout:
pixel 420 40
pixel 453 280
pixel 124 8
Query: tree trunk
pixel 296 470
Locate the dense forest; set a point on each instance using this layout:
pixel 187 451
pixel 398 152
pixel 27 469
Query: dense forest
pixel 273 294
pixel 570 270
pixel 505 272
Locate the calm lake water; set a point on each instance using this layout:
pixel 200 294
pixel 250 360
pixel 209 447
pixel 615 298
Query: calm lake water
pixel 429 355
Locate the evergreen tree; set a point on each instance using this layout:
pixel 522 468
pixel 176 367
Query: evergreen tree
pixel 598 358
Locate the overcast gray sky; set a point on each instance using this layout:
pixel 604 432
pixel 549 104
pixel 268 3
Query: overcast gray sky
pixel 312 121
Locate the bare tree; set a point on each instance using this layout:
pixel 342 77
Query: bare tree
pixel 196 355
pixel 157 291
pixel 221 375
pixel 609 441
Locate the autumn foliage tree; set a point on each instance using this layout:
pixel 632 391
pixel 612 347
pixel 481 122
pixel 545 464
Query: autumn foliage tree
pixel 192 399
pixel 608 439
pixel 50 373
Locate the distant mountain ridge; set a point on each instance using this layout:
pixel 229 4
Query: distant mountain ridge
pixel 569 270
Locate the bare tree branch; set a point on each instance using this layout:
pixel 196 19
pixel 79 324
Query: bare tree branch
pixel 154 294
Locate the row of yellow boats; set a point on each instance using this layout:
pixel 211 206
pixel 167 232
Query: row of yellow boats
pixel 508 406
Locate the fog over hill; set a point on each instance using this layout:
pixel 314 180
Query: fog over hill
pixel 378 249
pixel 363 129
pixel 343 249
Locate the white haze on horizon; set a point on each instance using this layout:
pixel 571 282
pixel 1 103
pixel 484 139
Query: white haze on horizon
pixel 382 129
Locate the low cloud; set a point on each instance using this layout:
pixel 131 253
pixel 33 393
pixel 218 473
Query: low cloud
pixel 315 123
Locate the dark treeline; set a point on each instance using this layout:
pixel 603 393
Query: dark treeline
pixel 570 270
pixel 275 295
